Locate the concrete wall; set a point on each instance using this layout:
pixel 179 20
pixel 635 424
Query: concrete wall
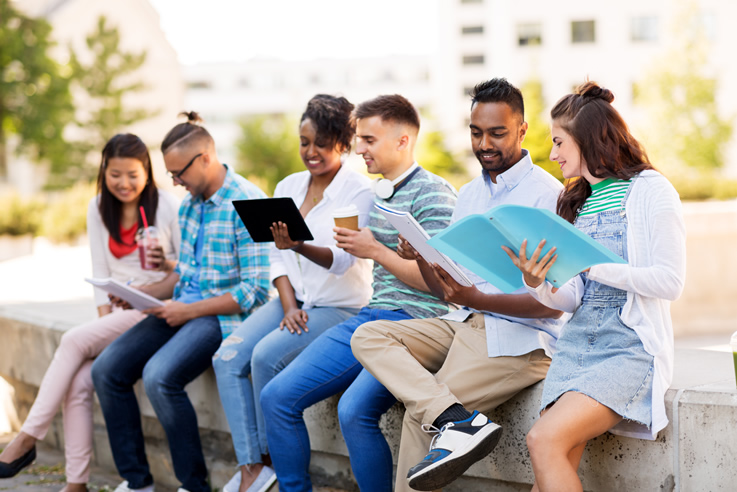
pixel 696 452
pixel 706 305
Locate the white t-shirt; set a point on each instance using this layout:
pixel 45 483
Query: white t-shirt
pixel 348 281
pixel 128 268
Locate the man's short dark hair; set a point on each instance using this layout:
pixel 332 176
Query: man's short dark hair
pixel 393 108
pixel 498 90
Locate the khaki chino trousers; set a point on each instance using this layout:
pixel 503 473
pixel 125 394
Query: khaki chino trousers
pixel 431 364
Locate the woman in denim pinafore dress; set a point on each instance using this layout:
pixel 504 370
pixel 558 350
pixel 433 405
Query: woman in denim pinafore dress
pixel 597 354
pixel 602 374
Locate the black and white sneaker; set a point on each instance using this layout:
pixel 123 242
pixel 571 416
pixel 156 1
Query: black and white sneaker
pixel 456 447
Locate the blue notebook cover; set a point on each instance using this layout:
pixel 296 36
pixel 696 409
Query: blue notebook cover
pixel 476 243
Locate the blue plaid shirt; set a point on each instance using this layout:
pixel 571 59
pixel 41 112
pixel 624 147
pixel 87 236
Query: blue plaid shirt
pixel 231 261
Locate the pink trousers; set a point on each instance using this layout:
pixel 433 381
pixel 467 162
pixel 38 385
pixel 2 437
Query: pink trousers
pixel 68 380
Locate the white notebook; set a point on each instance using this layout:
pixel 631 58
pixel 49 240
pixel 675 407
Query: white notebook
pixel 139 300
pixel 413 232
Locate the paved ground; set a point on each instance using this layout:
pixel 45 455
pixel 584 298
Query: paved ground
pixel 47 473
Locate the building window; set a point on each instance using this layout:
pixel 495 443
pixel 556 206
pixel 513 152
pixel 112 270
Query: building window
pixel 529 34
pixel 472 30
pixel 644 28
pixel 473 60
pixel 583 31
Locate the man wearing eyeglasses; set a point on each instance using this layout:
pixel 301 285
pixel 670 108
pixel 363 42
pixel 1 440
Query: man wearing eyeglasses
pixel 221 276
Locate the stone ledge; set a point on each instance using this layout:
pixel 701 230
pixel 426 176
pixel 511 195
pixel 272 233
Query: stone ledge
pixel 696 452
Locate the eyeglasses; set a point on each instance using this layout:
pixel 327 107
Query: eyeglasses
pixel 177 175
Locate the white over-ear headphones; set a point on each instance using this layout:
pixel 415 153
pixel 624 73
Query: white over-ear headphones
pixel 384 188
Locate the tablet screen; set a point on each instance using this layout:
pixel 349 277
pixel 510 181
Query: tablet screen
pixel 258 215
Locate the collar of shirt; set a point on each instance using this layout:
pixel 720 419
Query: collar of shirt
pixel 514 175
pixel 222 192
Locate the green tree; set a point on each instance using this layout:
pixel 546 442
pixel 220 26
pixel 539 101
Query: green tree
pixel 35 99
pixel 268 150
pixel 434 156
pixel 679 96
pixel 537 141
pixel 106 80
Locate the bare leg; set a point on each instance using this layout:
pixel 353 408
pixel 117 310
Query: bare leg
pixel 556 442
pixel 249 473
pixel 17 447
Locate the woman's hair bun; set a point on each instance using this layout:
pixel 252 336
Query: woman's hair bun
pixel 192 116
pixel 594 91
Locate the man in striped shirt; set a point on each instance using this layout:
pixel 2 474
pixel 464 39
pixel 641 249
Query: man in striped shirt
pixel 386 130
pixel 479 356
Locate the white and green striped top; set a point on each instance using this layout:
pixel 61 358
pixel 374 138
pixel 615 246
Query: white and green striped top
pixel 606 195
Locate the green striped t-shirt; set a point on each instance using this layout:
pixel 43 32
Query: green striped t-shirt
pixel 430 200
pixel 606 195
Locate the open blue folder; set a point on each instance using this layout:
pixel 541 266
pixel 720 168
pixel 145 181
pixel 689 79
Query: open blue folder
pixel 476 243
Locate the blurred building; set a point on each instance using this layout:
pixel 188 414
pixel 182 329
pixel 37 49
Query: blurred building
pixel 139 27
pixel 225 93
pixel 558 43
pixel 561 43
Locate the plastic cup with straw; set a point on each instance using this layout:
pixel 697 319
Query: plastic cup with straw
pixel 147 237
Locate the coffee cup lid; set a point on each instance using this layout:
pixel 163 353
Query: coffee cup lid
pixel 348 211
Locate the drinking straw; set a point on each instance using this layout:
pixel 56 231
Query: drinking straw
pixel 145 223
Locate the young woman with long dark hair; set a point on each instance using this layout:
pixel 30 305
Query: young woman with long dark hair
pixel 125 182
pixel 615 355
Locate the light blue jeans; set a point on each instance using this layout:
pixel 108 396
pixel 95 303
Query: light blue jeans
pixel 259 348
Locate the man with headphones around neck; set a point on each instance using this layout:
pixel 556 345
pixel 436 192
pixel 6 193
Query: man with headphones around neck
pixel 387 128
pixel 448 369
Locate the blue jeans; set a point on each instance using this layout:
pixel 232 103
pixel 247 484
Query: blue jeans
pixel 259 348
pixel 323 369
pixel 167 358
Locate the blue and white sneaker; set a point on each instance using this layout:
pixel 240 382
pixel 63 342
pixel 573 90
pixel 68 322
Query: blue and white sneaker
pixel 456 447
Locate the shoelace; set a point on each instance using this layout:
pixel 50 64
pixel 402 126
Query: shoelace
pixel 431 429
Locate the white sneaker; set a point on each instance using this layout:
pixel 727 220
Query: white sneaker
pixel 123 487
pixel 456 447
pixel 234 484
pixel 264 481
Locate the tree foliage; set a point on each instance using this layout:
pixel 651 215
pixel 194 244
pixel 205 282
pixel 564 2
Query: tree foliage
pixel 538 141
pixel 106 81
pixel 679 95
pixel 35 99
pixel 433 155
pixel 268 150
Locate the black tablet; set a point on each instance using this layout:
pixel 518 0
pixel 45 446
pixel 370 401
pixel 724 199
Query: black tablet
pixel 258 215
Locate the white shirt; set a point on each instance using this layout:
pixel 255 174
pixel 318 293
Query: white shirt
pixel 128 268
pixel 654 276
pixel 348 281
pixel 522 184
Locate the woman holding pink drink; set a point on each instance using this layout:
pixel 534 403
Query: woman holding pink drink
pixel 127 201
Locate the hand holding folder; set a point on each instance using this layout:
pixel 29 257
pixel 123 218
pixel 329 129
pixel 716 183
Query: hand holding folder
pixel 476 243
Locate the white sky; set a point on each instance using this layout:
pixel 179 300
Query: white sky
pixel 236 30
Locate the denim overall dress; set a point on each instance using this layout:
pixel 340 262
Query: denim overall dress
pixel 598 355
